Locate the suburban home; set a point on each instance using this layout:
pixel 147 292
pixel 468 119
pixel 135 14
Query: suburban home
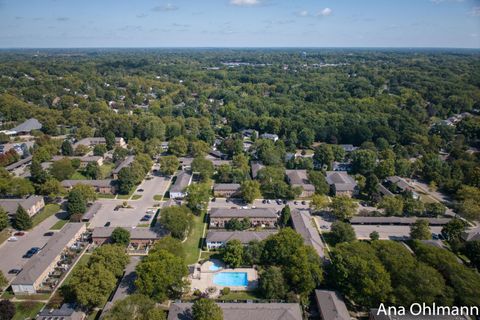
pixel 123 164
pixel 263 217
pixel 403 185
pixel 247 311
pixel 101 186
pixel 406 221
pixel 91 142
pixel 269 136
pixel 341 184
pixel 32 205
pixel 186 163
pixel 226 190
pixel 38 268
pixel 84 160
pixel 303 224
pixel 138 236
pixel 299 178
pixel 66 312
pixel 183 180
pixel 26 127
pixel 331 305
pixel 218 239
pixel 471 234
pixel 218 162
pixel 256 166
pixel 18 168
pixel 218 154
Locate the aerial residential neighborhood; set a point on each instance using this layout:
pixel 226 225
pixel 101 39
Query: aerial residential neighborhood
pixel 239 160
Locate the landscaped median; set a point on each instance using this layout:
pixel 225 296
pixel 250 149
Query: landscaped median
pixel 193 243
pixel 47 211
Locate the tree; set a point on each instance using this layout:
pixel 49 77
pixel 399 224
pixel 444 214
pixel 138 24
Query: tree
pixel 233 253
pixel 81 150
pixel 420 230
pixel 204 167
pixel 62 169
pixel 161 275
pixel 120 236
pixel 22 220
pixel 363 161
pixel 318 180
pixel 99 150
pixel 135 307
pixel 3 219
pixel 76 202
pixel 127 180
pixel 178 146
pixel 252 253
pixel 453 230
pixel 112 256
pixel 198 148
pixel 393 205
pixel 235 224
pixel 110 140
pixel 3 281
pixel 51 188
pixel 371 185
pixel 250 190
pixel 170 244
pixel 324 156
pixel 342 232
pixel 306 137
pixel 168 165
pixel 88 192
pixel 206 309
pixel 435 209
pixel 178 220
pixel 285 216
pixel 319 202
pixel 343 207
pixel 7 310
pixel 91 285
pixel 198 195
pixel 472 251
pixel 272 283
pixel 38 175
pixel 374 235
pixel 92 171
pixel 67 149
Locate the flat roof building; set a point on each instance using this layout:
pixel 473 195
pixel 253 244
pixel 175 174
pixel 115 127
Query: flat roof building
pixel 101 235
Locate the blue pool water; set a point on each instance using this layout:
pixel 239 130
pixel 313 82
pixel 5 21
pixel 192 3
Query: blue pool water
pixel 214 267
pixel 231 279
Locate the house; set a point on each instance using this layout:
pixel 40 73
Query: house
pixel 263 217
pixel 18 168
pixel 303 224
pixel 37 269
pixel 107 186
pixel 242 311
pixel 164 146
pixel 402 185
pixel 471 234
pixel 341 183
pixel 123 164
pixel 177 191
pixel 27 126
pixel 331 305
pixel 91 142
pixel 299 178
pixel 217 163
pixel 348 147
pixel 84 160
pixel 226 190
pixel 256 167
pixel 66 312
pixel 406 221
pixel 186 163
pixel 32 205
pixel 138 236
pixel 218 239
pixel 269 136
pixel 218 154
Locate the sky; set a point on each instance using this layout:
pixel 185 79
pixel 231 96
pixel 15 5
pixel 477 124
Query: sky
pixel 239 23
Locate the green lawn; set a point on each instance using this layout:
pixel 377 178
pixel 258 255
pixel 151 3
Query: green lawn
pixel 27 310
pixel 78 176
pixel 105 196
pixel 158 197
pixel 49 210
pixel 240 295
pixel 59 225
pixel 136 196
pixel 4 235
pixel 106 170
pixel 193 242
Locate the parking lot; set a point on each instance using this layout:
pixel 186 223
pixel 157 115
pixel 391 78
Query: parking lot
pixel 131 217
pixel 238 203
pixel 389 232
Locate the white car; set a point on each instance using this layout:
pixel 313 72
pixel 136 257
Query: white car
pixel 12 239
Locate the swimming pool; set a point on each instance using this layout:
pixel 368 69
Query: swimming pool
pixel 215 267
pixel 231 279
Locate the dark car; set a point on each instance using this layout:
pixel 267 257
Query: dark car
pixel 304 203
pixel 107 224
pixel 31 252
pixel 145 218
pixel 19 234
pixel 14 271
pixel 214 199
pixel 140 190
pixel 49 234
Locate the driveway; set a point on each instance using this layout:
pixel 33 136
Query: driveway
pixel 12 252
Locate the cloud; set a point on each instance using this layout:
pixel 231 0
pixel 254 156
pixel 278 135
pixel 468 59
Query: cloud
pixel 142 15
pixel 63 19
pixel 165 8
pixel 475 12
pixel 303 13
pixel 245 3
pixel 325 12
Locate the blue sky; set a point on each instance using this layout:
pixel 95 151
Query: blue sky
pixel 240 23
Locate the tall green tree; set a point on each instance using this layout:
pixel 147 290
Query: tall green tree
pixel 233 253
pixel 67 149
pixel 285 216
pixel 3 219
pixel 250 190
pixel 420 230
pixel 168 165
pixel 342 232
pixel 178 220
pixel 206 309
pixel 197 198
pixel 204 167
pixel 343 207
pixel 76 202
pixel 22 220
pixel 272 283
pixel 112 256
pixel 110 140
pixel 135 307
pixel 120 236
pixel 7 310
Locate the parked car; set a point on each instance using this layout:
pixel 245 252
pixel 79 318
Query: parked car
pixel 49 234
pixel 14 271
pixel 108 224
pixel 303 202
pixel 19 233
pixel 214 199
pixel 295 202
pixel 264 201
pixel 140 190
pixel 30 253
pixel 12 239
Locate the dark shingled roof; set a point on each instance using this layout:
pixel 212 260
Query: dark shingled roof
pixel 28 125
pixel 243 213
pixel 303 224
pixel 243 236
pixel 331 305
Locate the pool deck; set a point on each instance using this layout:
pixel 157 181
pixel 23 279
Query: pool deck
pixel 204 279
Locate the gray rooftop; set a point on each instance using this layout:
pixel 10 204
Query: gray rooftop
pixel 400 182
pixel 256 166
pixel 397 220
pixel 93 183
pixel 66 310
pixel 226 186
pixel 243 236
pixel 341 180
pixel 183 180
pixel 471 234
pixel 242 213
pixel 303 224
pixel 299 178
pixel 19 163
pixel 125 163
pixel 28 125
pixel 34 268
pixel 11 205
pixel 93 140
pixel 243 311
pixel 135 233
pixel 331 305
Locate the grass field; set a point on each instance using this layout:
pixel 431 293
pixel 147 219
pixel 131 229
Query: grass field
pixel 239 295
pixel 193 242
pixel 59 225
pixel 136 196
pixel 4 235
pixel 158 197
pixel 78 176
pixel 105 196
pixel 106 170
pixel 27 310
pixel 49 210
